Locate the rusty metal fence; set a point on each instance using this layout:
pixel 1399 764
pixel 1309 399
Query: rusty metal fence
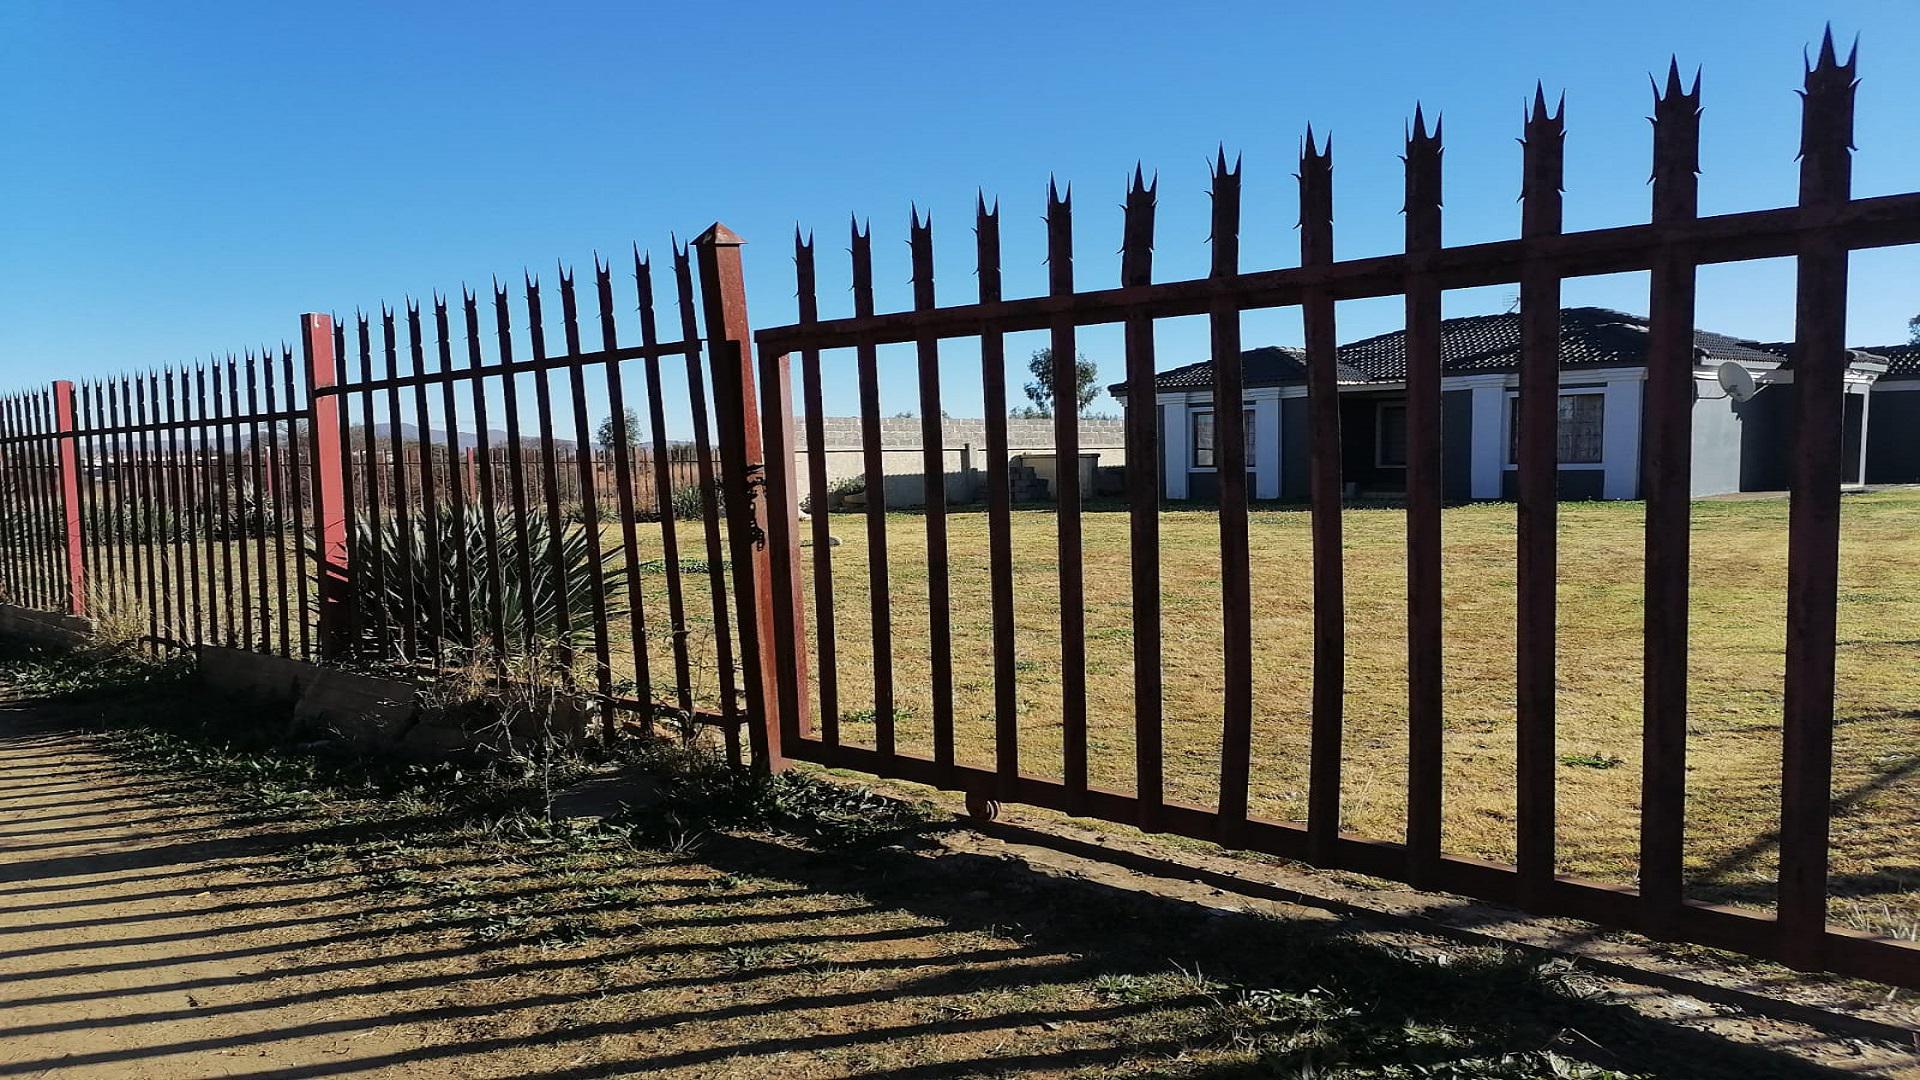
pixel 1818 233
pixel 304 520
pixel 358 505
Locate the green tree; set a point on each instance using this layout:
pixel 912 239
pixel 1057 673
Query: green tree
pixel 607 437
pixel 1041 390
pixel 1913 330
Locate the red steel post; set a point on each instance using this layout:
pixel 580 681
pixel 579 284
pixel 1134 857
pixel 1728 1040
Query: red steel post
pixel 69 448
pixel 730 353
pixel 328 465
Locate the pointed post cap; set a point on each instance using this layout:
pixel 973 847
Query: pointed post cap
pixel 718 235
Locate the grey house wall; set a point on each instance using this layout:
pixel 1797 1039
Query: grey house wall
pixel 1893 437
pixel 1717 438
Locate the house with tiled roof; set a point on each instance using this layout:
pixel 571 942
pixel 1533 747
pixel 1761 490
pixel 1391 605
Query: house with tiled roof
pixel 1740 442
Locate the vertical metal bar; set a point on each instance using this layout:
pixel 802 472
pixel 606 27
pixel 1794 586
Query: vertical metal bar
pixel 1143 505
pixel 993 379
pixel 1066 485
pixel 550 483
pixel 743 473
pixel 209 518
pixel 179 516
pixel 277 492
pixel 224 511
pixel 1426 478
pixel 124 492
pixel 327 408
pixel 786 640
pixel 296 497
pixel 10 517
pixel 589 506
pixel 1230 466
pixel 68 449
pixel 1813 549
pixel 516 467
pixel 710 511
pixel 461 566
pixel 403 532
pixel 191 508
pixel 242 521
pixel 1668 479
pixel 99 595
pixel 622 449
pixel 429 512
pixel 933 456
pixel 826 644
pixel 491 581
pixel 353 553
pixel 1329 588
pixel 1538 505
pixel 663 484
pixel 257 522
pixel 880 602
pixel 149 497
pixel 376 540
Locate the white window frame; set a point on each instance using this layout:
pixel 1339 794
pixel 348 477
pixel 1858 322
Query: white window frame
pixel 1193 432
pixel 1379 432
pixel 1512 410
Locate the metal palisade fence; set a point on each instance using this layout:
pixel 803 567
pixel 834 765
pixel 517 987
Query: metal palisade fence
pixel 275 502
pixel 1818 233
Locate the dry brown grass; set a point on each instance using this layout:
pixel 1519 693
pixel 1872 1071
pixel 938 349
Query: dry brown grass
pixel 1738 598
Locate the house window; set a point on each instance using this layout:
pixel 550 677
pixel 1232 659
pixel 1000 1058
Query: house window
pixel 1582 428
pixel 1390 436
pixel 1202 429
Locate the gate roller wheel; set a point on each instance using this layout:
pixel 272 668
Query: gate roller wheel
pixel 981 808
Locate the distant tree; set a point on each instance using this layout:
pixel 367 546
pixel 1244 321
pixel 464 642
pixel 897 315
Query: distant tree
pixel 1913 330
pixel 1041 390
pixel 608 434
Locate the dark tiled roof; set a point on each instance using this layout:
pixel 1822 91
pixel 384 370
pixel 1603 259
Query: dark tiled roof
pixel 1271 365
pixel 1903 361
pixel 1589 337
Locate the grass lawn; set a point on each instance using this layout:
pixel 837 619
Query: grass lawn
pixel 1738 630
pixel 1738 607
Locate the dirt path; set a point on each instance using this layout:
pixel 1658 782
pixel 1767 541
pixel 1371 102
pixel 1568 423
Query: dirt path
pixel 136 940
pixel 145 934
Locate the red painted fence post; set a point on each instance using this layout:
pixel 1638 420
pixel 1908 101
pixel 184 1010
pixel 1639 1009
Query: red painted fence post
pixel 730 357
pixel 69 448
pixel 334 595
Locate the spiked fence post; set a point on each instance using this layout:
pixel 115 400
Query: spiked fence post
pixel 334 609
pixel 70 497
pixel 1538 490
pixel 730 353
pixel 1329 583
pixel 1425 484
pixel 1669 450
pixel 1813 545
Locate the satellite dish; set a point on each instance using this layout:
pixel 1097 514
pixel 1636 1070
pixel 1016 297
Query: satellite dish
pixel 1737 381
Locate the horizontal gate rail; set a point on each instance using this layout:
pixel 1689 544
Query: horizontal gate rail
pixel 1827 224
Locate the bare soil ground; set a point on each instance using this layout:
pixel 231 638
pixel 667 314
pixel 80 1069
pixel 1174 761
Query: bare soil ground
pixel 151 929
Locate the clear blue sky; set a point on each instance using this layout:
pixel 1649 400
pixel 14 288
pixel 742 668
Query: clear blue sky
pixel 181 179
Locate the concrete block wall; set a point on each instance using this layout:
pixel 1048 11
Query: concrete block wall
pixel 963 455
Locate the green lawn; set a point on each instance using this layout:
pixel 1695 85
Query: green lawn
pixel 1738 606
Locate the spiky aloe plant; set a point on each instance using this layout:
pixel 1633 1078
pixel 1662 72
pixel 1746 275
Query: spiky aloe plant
pixel 448 555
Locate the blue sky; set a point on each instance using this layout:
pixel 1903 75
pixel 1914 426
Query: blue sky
pixel 185 179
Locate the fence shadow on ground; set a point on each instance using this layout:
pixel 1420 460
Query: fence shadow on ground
pixel 155 938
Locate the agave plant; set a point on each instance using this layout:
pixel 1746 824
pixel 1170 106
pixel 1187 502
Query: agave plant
pixel 448 556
